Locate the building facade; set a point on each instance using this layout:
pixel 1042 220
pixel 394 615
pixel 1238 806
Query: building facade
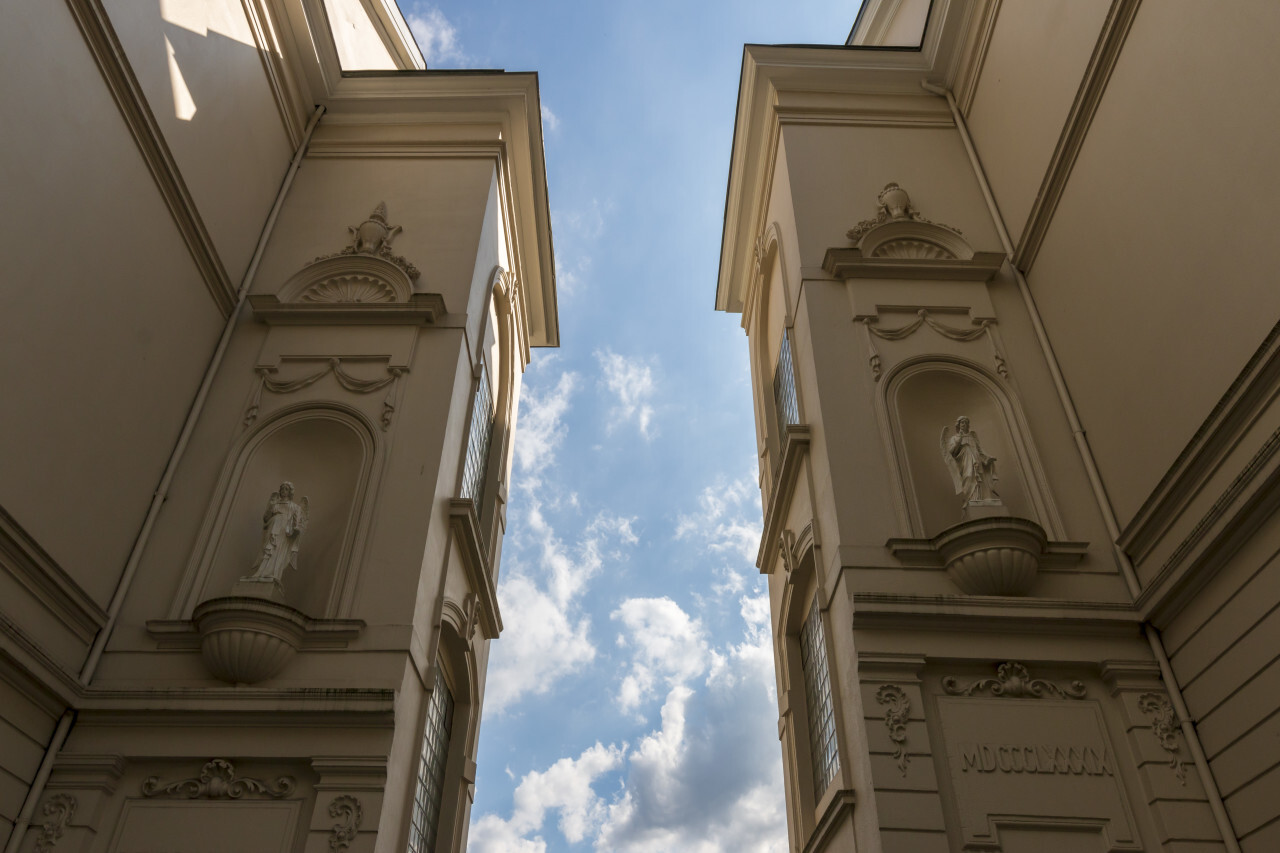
pixel 262 362
pixel 1015 365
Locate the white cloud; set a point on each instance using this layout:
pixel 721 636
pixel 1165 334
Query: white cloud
pixel 667 647
pixel 564 787
pixel 436 37
pixel 708 780
pixel 728 520
pixel 550 121
pixel 541 429
pixel 631 381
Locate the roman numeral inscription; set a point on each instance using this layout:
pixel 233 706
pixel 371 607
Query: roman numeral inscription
pixel 1035 758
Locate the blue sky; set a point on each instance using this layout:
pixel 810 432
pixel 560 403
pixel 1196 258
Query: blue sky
pixel 630 702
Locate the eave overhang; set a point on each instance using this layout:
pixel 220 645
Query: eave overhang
pixel 485 113
pixel 812 80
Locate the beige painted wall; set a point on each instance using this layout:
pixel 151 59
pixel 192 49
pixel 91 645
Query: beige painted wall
pixel 94 265
pixel 1145 314
pixel 1037 56
pixel 203 76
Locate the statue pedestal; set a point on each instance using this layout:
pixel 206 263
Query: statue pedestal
pixel 266 588
pixel 974 510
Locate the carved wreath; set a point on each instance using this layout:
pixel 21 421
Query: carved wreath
pixel 217 781
pixel 895 720
pixel 1014 681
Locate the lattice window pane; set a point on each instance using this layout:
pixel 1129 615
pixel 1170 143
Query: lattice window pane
pixel 477 462
pixel 784 389
pixel 429 793
pixel 821 714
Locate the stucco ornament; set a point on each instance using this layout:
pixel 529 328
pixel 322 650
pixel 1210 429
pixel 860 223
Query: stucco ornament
pixel 1014 681
pixel 218 781
pixel 283 524
pixel 1164 725
pixel 59 810
pixel 349 814
pixel 895 720
pixel 373 237
pixel 973 473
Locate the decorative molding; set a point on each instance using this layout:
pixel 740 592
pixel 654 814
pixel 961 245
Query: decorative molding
pixel 109 54
pixel 22 557
pixel 1164 725
pixel 420 309
pixel 923 318
pixel 349 814
pixel 973 57
pixel 373 238
pixel 1014 681
pixel 346 380
pixel 895 206
pixel 218 781
pixel 795 447
pixel 846 263
pixel 1092 87
pixel 316 633
pixel 898 709
pixel 59 809
pixel 475 559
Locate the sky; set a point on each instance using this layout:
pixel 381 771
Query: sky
pixel 630 702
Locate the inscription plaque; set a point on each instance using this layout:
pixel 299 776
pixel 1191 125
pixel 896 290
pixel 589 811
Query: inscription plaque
pixel 149 826
pixel 1041 771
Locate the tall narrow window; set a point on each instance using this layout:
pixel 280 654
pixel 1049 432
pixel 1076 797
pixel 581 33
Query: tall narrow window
pixel 478 440
pixel 817 691
pixel 784 389
pixel 425 824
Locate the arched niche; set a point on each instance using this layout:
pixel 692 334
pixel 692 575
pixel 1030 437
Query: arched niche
pixel 327 454
pixel 923 397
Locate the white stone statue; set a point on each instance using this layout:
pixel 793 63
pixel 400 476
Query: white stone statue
pixel 282 526
pixel 972 472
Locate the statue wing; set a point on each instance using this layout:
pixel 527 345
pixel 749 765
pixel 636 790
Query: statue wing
pixel 305 515
pixel 957 479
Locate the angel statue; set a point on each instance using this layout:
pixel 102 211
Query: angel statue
pixel 972 472
pixel 282 526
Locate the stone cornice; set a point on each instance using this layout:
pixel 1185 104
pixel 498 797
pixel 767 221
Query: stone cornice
pixel 828 85
pixel 107 51
pixel 1020 614
pixel 32 567
pixel 421 309
pixel 849 263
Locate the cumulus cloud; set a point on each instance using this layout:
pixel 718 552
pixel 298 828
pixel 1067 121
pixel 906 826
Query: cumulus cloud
pixel 727 521
pixel 631 381
pixel 436 38
pixel 564 787
pixel 708 780
pixel 549 635
pixel 542 428
pixel 667 647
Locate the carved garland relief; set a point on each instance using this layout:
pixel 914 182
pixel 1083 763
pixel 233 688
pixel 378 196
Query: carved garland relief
pixel 218 781
pixel 59 809
pixel 1014 681
pixel 1164 725
pixel 346 380
pixel 895 720
pixel 349 814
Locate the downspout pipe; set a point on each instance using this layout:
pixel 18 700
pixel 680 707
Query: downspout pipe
pixel 91 662
pixel 1152 633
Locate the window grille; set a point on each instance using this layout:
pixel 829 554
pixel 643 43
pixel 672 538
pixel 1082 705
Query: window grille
pixel 477 463
pixel 428 794
pixel 817 691
pixel 784 390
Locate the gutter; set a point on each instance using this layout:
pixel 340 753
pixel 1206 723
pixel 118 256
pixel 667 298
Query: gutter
pixel 23 821
pixel 1229 837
